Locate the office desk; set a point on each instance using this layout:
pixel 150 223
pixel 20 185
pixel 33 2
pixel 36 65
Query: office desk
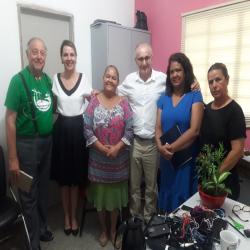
pixel 228 205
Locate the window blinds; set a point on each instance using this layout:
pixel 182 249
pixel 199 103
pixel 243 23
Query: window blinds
pixel 221 34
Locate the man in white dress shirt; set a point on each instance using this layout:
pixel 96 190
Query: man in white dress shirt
pixel 143 89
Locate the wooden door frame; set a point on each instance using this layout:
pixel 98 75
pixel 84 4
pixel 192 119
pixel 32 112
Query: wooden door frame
pixel 21 6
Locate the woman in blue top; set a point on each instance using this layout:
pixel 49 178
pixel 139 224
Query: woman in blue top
pixel 184 108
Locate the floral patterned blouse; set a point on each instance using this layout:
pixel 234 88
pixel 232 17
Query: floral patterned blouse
pixel 109 127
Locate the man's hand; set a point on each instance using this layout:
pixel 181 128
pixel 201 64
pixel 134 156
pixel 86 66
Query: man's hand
pixel 14 169
pixel 165 151
pixel 10 126
pixel 95 92
pixel 195 86
pixel 112 151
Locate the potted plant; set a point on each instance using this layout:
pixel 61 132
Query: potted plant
pixel 212 190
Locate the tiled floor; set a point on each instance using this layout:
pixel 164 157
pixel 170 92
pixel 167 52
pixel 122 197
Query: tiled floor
pixel 88 241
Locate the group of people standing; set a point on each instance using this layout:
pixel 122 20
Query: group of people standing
pixel 118 138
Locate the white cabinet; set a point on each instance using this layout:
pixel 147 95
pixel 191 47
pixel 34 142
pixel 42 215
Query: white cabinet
pixel 113 44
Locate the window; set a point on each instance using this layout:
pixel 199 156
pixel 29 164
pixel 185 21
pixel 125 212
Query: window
pixel 221 34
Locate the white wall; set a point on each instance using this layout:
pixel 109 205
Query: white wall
pixel 84 11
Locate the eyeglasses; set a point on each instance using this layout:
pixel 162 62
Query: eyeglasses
pixel 237 208
pixel 141 59
pixel 36 52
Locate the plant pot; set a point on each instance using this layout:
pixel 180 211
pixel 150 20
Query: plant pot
pixel 211 201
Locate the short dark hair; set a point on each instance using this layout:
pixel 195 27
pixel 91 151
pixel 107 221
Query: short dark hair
pixel 220 66
pixel 112 66
pixel 67 43
pixel 188 70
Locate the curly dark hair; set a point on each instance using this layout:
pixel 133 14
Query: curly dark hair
pixel 188 70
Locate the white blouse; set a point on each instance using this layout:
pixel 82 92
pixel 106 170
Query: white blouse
pixel 71 102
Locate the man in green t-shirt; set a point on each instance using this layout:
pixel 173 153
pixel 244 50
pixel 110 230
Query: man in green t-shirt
pixel 29 123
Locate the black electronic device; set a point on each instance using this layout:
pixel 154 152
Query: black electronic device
pixel 158 220
pixel 173 239
pixel 218 224
pixel 155 245
pixel 181 157
pixel 158 230
pixel 186 208
pixel 247 233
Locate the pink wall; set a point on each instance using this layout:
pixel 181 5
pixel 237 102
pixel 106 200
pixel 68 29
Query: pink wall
pixel 164 21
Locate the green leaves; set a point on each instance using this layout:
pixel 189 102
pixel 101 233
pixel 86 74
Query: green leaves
pixel 215 178
pixel 223 176
pixel 228 190
pixel 209 162
pixel 208 185
pixel 222 185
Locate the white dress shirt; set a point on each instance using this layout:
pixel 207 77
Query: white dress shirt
pixel 143 97
pixel 71 102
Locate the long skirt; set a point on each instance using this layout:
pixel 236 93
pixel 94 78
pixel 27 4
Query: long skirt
pixel 69 153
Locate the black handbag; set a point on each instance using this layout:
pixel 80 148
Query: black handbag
pixel 133 237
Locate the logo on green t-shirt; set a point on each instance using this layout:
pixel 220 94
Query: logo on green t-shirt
pixel 42 104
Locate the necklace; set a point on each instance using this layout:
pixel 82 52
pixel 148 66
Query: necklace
pixel 39 83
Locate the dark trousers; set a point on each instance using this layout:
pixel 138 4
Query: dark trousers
pixel 232 182
pixel 34 157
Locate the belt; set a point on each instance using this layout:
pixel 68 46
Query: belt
pixel 144 139
pixel 32 136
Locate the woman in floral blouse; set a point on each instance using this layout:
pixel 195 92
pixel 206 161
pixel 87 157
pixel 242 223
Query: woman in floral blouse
pixel 108 129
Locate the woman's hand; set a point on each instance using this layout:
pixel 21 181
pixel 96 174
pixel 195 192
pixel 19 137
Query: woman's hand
pixel 234 155
pixel 95 92
pixel 104 150
pixel 195 86
pixel 165 152
pixel 112 151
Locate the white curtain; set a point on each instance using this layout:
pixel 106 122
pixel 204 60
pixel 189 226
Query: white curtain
pixel 221 34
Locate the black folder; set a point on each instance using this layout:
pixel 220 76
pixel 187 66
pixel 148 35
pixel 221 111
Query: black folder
pixel 181 157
